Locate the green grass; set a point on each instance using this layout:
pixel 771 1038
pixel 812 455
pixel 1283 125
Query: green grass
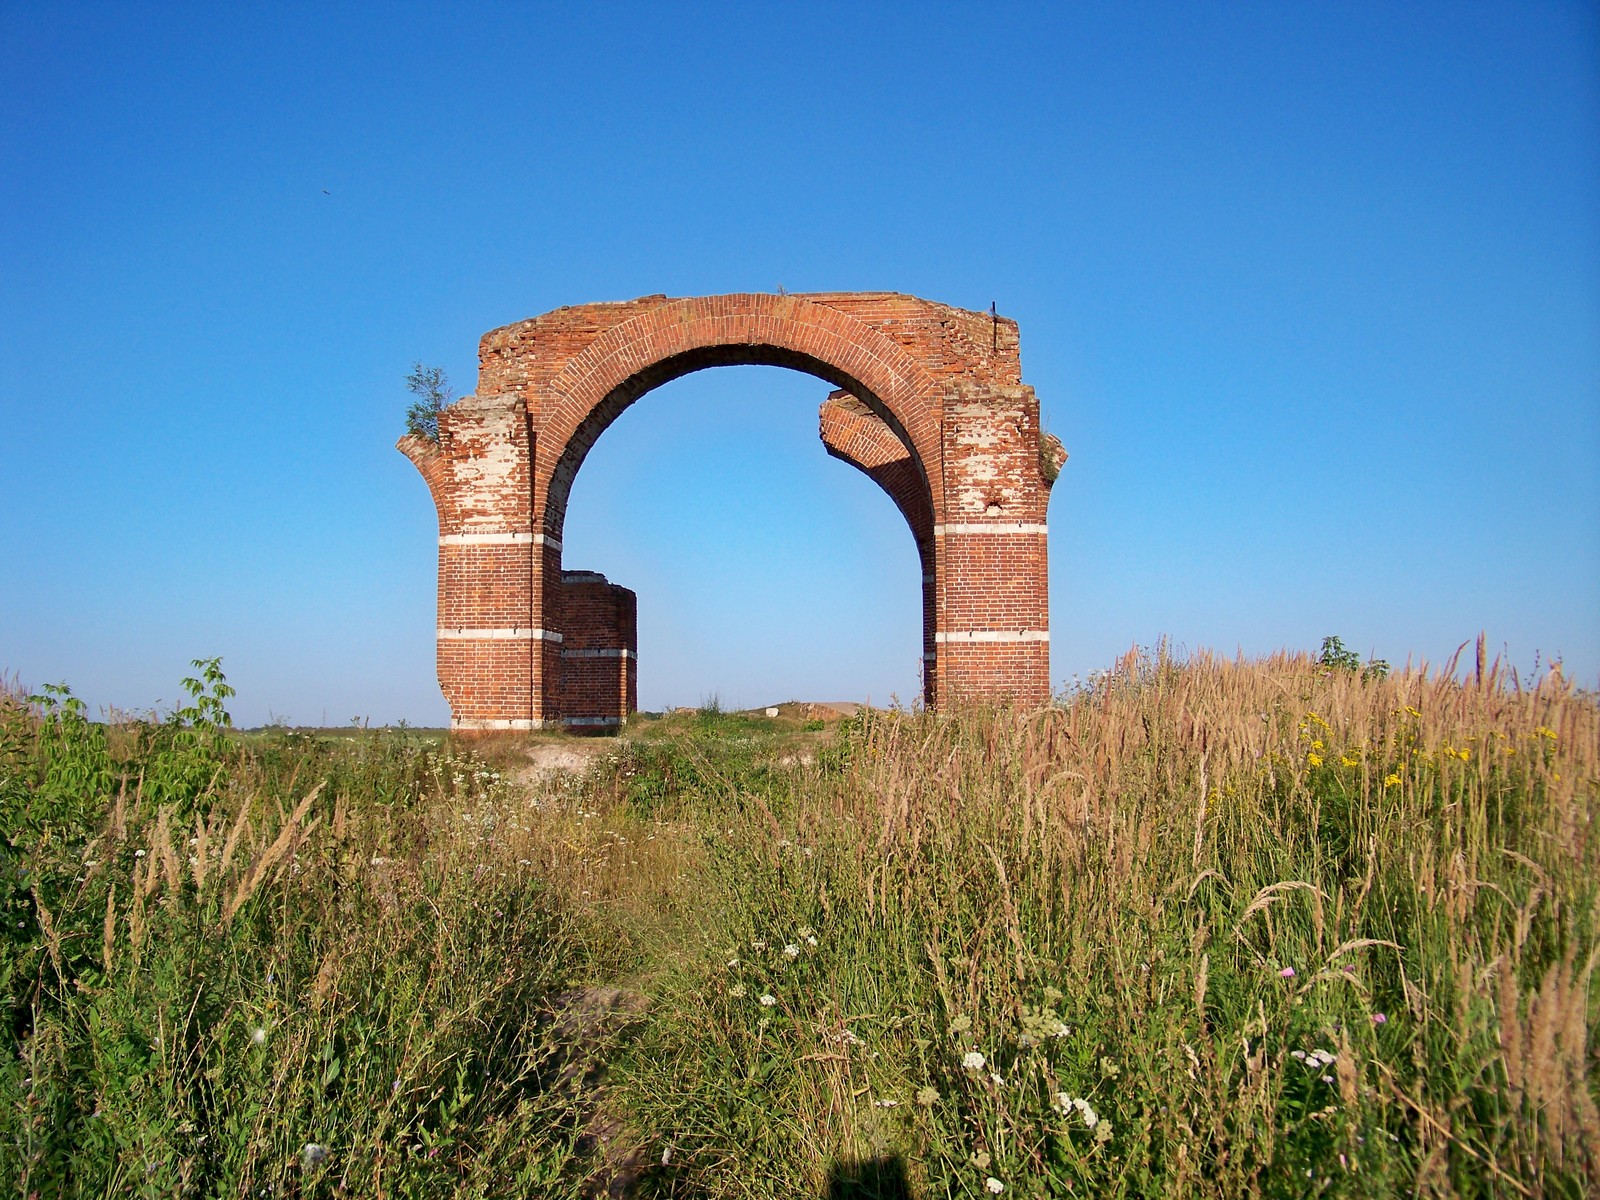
pixel 1217 929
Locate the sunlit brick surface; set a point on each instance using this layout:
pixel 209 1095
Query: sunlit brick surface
pixel 930 405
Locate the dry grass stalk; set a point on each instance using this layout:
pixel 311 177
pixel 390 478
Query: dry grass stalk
pixel 280 846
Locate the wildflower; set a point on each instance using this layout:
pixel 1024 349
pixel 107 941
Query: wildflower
pixel 1545 732
pixel 994 1078
pixel 791 951
pixel 258 1034
pixel 1317 744
pixel 1379 1018
pixel 767 999
pixel 1109 1069
pixel 973 1061
pixel 992 1184
pixel 927 1096
pixel 961 1024
pixel 1286 973
pixel 885 1104
pixel 1103 1134
pixel 138 853
pixel 737 991
pixel 313 1153
pixel 1314 759
pixel 758 944
pixel 1391 780
pixel 806 931
pixel 811 939
pixel 1350 760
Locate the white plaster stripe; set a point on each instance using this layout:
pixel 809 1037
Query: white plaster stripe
pixel 592 720
pixel 512 538
pixel 994 635
pixel 485 723
pixel 991 527
pixel 598 654
pixel 497 635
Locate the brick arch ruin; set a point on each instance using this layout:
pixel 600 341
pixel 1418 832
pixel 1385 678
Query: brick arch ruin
pixel 929 404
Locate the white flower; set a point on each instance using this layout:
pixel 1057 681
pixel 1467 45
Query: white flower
pixel 1065 1105
pixel 811 939
pixel 138 853
pixel 258 1034
pixel 791 951
pixel 313 1153
pixel 992 1184
pixel 758 944
pixel 768 999
pixel 973 1061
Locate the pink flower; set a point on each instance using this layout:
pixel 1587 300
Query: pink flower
pixel 1286 973
pixel 1379 1019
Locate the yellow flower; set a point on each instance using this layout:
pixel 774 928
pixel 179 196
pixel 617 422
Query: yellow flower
pixel 1314 759
pixel 1545 732
pixel 1317 745
pixel 1391 780
pixel 1414 712
pixel 1350 760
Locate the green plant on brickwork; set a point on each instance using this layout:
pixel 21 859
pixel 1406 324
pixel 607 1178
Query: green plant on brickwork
pixel 432 391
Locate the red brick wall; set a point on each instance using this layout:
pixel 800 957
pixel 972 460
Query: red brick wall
pixel 931 407
pixel 599 656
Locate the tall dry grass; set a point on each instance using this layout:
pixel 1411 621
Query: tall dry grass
pixel 1212 874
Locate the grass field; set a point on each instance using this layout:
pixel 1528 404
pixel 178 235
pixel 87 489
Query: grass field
pixel 1203 928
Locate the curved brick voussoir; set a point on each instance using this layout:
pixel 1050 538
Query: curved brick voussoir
pixel 677 337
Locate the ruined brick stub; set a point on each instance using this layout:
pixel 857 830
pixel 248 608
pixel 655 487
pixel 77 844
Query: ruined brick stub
pixel 929 403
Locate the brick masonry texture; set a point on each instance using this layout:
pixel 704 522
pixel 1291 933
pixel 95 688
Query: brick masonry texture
pixel 929 404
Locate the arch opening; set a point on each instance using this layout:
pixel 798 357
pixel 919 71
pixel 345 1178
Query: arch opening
pixel 764 572
pixel 625 394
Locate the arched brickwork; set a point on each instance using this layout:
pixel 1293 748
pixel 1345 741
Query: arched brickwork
pixel 931 407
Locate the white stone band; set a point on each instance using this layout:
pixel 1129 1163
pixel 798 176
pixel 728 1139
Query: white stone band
pixel 513 634
pixel 473 724
pixel 598 654
pixel 512 538
pixel 991 527
pixel 994 635
pixel 591 720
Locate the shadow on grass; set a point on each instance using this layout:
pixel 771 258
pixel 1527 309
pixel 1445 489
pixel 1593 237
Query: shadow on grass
pixel 869 1179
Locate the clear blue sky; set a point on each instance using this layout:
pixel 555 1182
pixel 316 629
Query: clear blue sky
pixel 1311 292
